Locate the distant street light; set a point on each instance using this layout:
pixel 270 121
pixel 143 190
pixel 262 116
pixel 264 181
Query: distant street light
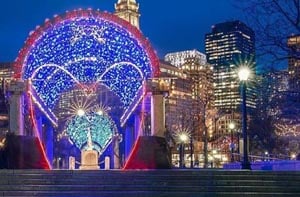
pixel 183 138
pixel 267 155
pixel 293 156
pixel 231 127
pixel 244 73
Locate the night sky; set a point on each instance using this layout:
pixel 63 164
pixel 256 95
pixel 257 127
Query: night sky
pixel 171 25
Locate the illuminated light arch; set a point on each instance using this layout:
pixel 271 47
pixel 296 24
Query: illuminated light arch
pixel 86 47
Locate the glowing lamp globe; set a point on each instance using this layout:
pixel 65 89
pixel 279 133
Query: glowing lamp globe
pixel 231 125
pixel 100 112
pixel 183 137
pixel 80 112
pixel 244 73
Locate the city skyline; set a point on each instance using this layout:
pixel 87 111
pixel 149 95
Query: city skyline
pixel 89 64
pixel 173 27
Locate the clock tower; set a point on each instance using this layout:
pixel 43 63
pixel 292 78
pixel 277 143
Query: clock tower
pixel 129 11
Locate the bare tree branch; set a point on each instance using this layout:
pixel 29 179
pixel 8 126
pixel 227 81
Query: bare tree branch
pixel 273 22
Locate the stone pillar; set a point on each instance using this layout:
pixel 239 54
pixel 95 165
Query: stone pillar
pixel 39 124
pixel 117 138
pixel 16 107
pixel 49 142
pixel 128 140
pixel 137 125
pixel 157 115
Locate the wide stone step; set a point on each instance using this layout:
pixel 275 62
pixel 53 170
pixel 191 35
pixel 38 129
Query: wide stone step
pixel 145 194
pixel 159 173
pixel 141 187
pixel 148 183
pixel 70 173
pixel 20 179
pixel 165 182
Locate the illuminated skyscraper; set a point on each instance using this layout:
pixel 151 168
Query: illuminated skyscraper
pixel 179 58
pixel 227 46
pixel 199 102
pixel 6 71
pixel 294 63
pixel 5 77
pixel 180 95
pixel 193 63
pixel 129 11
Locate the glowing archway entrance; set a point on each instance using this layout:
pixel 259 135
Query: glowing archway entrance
pixel 87 50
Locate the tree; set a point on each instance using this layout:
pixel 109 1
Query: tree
pixel 277 25
pixel 182 118
pixel 273 22
pixel 262 135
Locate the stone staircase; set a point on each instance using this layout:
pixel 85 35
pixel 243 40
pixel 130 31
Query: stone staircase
pixel 149 183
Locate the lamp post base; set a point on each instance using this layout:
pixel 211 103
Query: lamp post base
pixel 246 165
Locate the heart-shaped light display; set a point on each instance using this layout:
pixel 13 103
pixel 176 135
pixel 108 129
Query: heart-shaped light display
pixel 86 48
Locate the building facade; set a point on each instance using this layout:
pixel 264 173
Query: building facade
pixel 179 97
pixel 177 105
pixel 199 105
pixel 200 73
pixel 227 46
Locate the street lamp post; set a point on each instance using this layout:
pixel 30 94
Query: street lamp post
pixel 243 74
pixel 238 145
pixel 183 138
pixel 231 127
pixel 191 152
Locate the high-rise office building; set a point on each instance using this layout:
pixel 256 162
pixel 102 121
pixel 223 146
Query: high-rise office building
pixel 294 63
pixel 5 77
pixel 193 63
pixel 228 45
pixel 180 95
pixel 6 71
pixel 179 58
pixel 198 105
pixel 129 11
pixel 182 110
